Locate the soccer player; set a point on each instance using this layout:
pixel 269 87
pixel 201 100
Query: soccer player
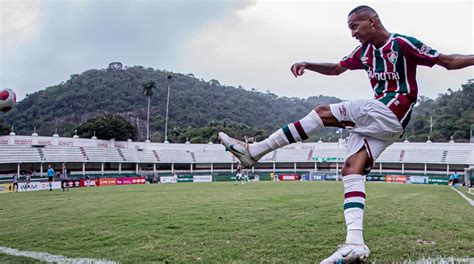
pixel 15 182
pixel 238 174
pixel 390 60
pixel 50 177
pixel 455 178
pixel 64 178
pixel 88 180
pixel 28 179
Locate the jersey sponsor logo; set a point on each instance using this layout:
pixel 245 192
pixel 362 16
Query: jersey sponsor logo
pixel 383 76
pixel 364 60
pixel 343 111
pixel 424 49
pixel 392 57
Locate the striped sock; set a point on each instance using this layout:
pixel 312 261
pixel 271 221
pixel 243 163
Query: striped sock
pixel 354 203
pixel 291 133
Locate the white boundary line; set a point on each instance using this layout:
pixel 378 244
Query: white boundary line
pixel 53 258
pixel 65 260
pixel 440 260
pixel 471 202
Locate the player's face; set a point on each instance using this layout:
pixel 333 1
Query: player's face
pixel 362 28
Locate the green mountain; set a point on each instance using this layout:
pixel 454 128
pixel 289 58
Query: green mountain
pixel 450 115
pixel 198 109
pixel 196 106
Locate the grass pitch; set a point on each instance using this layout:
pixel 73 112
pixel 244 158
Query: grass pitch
pixel 276 222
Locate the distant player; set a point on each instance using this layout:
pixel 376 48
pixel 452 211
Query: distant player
pixel 15 182
pixel 455 178
pixel 174 175
pixel 64 178
pixel 28 179
pixel 390 60
pixel 245 176
pixel 88 180
pixel 50 177
pixel 238 174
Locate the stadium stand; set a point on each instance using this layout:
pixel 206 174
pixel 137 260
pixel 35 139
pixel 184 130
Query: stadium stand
pixel 420 156
pixel 104 155
pixel 458 157
pixel 292 154
pixel 62 154
pixel 175 156
pixel 17 153
pixel 212 156
pixel 148 156
pixel 392 155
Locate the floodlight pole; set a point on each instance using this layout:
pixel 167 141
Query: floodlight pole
pixel 148 121
pixel 169 76
pixel 166 120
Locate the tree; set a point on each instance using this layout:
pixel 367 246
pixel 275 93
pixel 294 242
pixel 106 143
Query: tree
pixel 4 128
pixel 148 92
pixel 108 127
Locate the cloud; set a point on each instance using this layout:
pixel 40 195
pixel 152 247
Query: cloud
pixel 19 22
pixel 256 46
pixel 249 43
pixel 73 36
pixel 18 25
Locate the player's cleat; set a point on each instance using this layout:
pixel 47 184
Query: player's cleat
pixel 239 149
pixel 348 253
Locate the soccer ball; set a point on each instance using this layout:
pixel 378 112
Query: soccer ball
pixel 7 100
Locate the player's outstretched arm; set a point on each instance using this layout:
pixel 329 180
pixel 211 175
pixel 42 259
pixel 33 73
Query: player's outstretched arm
pixel 324 68
pixel 455 61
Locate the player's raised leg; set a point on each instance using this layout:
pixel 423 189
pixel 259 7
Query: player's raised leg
pixel 249 154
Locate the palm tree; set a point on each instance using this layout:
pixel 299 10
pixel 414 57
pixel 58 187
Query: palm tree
pixel 148 92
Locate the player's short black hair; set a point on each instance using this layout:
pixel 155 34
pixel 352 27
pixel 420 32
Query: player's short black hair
pixel 360 8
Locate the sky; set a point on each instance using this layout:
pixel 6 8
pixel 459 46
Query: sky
pixel 251 43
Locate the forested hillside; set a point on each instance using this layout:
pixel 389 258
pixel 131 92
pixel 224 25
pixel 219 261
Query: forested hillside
pixel 452 116
pixel 198 108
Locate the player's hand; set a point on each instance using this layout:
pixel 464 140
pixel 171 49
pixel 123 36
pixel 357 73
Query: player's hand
pixel 298 68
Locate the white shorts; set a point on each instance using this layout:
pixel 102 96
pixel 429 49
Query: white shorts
pixel 376 126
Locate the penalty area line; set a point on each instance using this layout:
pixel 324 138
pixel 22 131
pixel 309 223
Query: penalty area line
pixel 471 202
pixel 52 258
